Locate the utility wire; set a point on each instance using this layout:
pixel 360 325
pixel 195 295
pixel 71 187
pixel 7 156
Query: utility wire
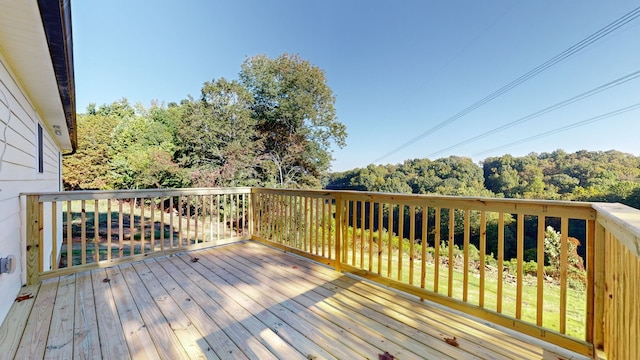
pixel 565 128
pixel 461 51
pixel 594 91
pixel 628 17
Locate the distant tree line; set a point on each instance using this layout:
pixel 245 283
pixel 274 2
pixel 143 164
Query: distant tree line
pixel 274 126
pixel 610 176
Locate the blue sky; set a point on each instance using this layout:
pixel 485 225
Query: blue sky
pixel 397 68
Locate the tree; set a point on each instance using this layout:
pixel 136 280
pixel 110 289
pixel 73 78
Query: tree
pixel 294 110
pixel 141 152
pixel 89 167
pixel 217 136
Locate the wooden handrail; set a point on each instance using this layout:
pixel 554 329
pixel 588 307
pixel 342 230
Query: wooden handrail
pixel 420 244
pixel 85 229
pixel 395 220
pixel 617 281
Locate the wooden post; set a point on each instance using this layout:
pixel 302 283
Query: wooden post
pixel 598 269
pixel 34 239
pixel 339 229
pixel 252 209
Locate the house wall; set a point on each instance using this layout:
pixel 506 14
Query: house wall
pixel 19 173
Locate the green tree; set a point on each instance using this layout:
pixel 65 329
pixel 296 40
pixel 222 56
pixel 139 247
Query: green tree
pixel 217 136
pixel 89 167
pixel 294 110
pixel 141 151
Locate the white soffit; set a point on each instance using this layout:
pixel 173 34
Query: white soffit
pixel 24 45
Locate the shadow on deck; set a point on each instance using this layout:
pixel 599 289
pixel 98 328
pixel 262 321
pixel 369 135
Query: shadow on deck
pixel 245 300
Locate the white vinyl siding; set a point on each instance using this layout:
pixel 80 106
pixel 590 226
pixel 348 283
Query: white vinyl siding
pixel 19 173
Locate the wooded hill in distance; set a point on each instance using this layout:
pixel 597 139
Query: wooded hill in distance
pixel 610 176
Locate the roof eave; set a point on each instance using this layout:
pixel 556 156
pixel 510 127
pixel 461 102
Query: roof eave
pixel 56 20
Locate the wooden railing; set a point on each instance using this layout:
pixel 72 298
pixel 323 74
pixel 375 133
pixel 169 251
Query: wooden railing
pixel 617 281
pixel 69 231
pixel 564 272
pixel 423 245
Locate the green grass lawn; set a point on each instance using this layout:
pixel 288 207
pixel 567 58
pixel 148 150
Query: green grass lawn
pixel 576 299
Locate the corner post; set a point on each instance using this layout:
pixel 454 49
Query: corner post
pixel 597 293
pixel 34 229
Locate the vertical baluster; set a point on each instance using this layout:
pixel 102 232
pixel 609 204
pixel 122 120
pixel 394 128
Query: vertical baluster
pixel 379 245
pixel 520 267
pixel 96 232
pixel 54 235
pixel 465 266
pixel 412 235
pixel 162 210
pixel 171 229
pixel 564 251
pixel 109 230
pixel 540 271
pixel 120 229
pixel 436 247
pixel 325 224
pixel 424 244
pixel 371 208
pixel 452 224
pixel 400 239
pixel 83 233
pixel 152 208
pixel 500 261
pixel 362 226
pixel 143 225
pixel 196 216
pixel 187 239
pixel 390 241
pixel 69 235
pixel 354 225
pixel 483 253
pixel 132 220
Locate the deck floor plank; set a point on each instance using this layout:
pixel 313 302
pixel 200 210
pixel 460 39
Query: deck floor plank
pixel 238 312
pixel 110 331
pixel 361 330
pixel 221 324
pixel 375 324
pixel 271 319
pixel 14 324
pixel 200 314
pixel 188 335
pixel 244 301
pixel 60 341
pixel 310 328
pixel 401 318
pixel 86 342
pixel 136 334
pixel 165 340
pixel 34 340
pixel 482 338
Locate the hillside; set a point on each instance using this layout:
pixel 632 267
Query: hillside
pixel 610 176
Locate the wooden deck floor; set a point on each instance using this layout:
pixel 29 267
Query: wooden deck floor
pixel 242 301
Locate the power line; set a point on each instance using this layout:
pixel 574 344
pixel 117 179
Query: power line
pixel 594 91
pixel 565 128
pixel 628 17
pixel 461 51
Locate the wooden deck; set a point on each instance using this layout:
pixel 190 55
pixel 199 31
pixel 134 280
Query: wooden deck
pixel 241 301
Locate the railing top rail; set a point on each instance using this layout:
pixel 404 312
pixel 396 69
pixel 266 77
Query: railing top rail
pixel 128 194
pixel 301 192
pixel 571 209
pixel 623 222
